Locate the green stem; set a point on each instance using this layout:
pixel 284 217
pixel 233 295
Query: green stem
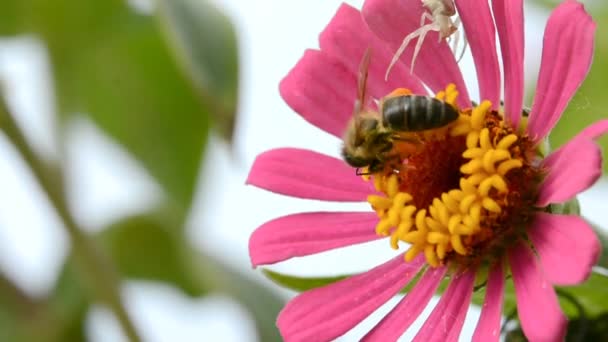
pixel 14 298
pixel 601 234
pixel 95 268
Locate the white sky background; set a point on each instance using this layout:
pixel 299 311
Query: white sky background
pixel 273 35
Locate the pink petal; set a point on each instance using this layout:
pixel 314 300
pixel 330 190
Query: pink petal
pixel 488 327
pixel 539 312
pixel 509 18
pixel 567 54
pixel 591 132
pixel 567 247
pixel 322 90
pixel 347 37
pixel 572 169
pixel 307 174
pixel 595 130
pixel 446 320
pixel 327 312
pixel 409 308
pixel 481 35
pixel 393 20
pixel 309 233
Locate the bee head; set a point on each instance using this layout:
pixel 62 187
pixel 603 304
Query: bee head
pixel 365 141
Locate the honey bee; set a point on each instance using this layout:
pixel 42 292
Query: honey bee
pixel 440 16
pixel 379 139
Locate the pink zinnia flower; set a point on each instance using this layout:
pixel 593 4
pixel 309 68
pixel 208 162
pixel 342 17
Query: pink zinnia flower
pixel 475 196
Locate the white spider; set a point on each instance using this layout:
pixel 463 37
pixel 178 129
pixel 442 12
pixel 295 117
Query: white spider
pixel 440 15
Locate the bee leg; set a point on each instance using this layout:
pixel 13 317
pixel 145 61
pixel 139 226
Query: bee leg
pixel 406 146
pixel 400 138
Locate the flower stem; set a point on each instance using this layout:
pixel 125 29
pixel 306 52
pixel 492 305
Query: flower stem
pixel 95 269
pixel 13 297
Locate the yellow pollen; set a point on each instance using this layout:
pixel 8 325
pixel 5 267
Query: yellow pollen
pixel 434 225
pixel 490 205
pixel 472 139
pixel 507 141
pixel 509 165
pixel 450 224
pixel 379 202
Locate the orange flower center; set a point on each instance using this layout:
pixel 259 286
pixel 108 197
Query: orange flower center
pixel 464 193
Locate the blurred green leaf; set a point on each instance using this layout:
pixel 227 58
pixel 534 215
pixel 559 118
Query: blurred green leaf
pixel 579 330
pixel 12 17
pixel 572 207
pixel 131 87
pixel 15 309
pixel 549 4
pixel 8 326
pixel 60 317
pixel 590 102
pixel 601 234
pixel 300 284
pixel 113 64
pixel 57 318
pixel 590 4
pixel 592 295
pixel 144 247
pixel 69 304
pixel 204 42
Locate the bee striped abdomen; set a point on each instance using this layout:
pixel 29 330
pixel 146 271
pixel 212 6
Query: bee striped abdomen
pixel 411 113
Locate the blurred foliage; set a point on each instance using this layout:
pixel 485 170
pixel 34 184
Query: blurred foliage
pixel 154 82
pixel 602 235
pixel 209 59
pixel 116 66
pixel 579 330
pixel 572 207
pixel 300 284
pixel 143 248
pixel 264 305
pixel 60 317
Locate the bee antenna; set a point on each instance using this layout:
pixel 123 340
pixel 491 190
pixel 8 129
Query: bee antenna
pixel 362 78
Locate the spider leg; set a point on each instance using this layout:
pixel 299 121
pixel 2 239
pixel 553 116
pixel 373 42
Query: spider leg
pixel 399 51
pixel 420 33
pixel 455 43
pixel 425 15
pixel 423 31
pixel 464 46
pixel 406 41
pixel 457 35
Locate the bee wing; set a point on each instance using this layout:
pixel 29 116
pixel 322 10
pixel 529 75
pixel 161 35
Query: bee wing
pixel 362 81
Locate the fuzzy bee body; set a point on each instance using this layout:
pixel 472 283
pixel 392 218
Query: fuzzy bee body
pixel 413 113
pixel 374 139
